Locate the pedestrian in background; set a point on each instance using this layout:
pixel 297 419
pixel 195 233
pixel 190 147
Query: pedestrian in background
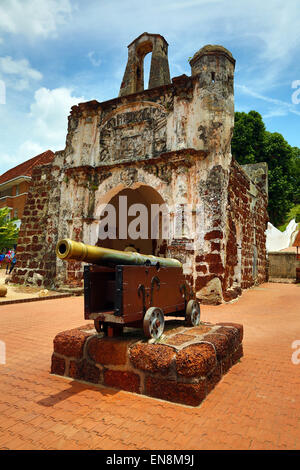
pixel 7 260
pixel 12 263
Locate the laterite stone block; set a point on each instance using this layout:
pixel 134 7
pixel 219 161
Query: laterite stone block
pixel 237 354
pixel 196 360
pixel 122 380
pixel 238 326
pixel 70 343
pixel 108 350
pixel 185 393
pixel 183 367
pixel 225 364
pixel 220 343
pixel 58 365
pixel 213 378
pixel 152 357
pixel 232 335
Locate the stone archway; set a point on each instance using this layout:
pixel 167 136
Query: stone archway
pixel 132 217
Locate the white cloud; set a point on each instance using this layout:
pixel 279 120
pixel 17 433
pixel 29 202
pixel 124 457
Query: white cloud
pixel 46 125
pixel 281 108
pixel 266 34
pixel 25 151
pixel 18 73
pixel 96 62
pixel 31 149
pixel 275 113
pixel 48 114
pixel 10 66
pixel 34 17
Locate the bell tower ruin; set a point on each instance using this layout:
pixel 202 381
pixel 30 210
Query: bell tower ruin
pixel 133 80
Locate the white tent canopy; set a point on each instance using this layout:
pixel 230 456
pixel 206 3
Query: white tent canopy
pixel 277 240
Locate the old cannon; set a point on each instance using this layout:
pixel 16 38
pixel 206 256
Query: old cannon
pixel 131 289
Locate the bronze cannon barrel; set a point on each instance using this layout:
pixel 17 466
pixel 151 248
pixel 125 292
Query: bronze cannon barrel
pixel 77 251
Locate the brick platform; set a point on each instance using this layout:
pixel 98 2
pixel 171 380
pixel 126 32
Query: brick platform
pixel 182 367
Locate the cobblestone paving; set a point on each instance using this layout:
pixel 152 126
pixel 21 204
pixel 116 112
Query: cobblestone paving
pixel 255 406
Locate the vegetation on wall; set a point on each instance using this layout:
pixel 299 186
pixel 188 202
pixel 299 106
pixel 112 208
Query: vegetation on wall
pixel 252 143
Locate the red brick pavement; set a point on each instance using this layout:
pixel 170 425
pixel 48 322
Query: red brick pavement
pixel 255 406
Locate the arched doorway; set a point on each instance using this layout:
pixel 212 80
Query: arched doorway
pixel 134 218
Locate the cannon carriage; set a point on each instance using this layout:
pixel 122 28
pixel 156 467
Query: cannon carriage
pixel 131 289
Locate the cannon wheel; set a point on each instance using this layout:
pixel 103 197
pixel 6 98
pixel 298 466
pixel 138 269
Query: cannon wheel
pixel 192 314
pixel 100 327
pixel 153 323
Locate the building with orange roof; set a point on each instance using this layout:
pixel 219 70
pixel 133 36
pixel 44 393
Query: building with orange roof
pixel 14 183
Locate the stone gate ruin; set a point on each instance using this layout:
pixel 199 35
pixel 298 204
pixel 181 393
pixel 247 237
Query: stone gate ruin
pixel 168 144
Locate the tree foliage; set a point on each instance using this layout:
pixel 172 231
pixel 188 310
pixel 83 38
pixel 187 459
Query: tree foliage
pixel 252 143
pixel 8 229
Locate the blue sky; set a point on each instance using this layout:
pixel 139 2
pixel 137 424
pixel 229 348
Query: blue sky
pixel 56 53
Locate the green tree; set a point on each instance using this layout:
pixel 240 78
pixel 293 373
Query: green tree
pixel 295 175
pixel 247 143
pixel 280 189
pixel 252 143
pixel 8 229
pixel 279 157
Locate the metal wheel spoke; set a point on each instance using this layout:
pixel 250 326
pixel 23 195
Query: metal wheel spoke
pixel 153 323
pixel 193 313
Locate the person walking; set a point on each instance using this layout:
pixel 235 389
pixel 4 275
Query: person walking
pixel 12 263
pixel 7 260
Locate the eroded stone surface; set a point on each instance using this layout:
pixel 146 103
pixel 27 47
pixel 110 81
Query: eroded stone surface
pixel 152 357
pixel 122 380
pixel 184 372
pixel 108 350
pixel 212 292
pixel 58 365
pixel 196 360
pixel 188 394
pixel 220 342
pixel 70 343
pixel 232 336
pixel 237 326
pixel 179 339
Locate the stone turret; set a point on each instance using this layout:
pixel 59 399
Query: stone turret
pixel 215 64
pixel 133 80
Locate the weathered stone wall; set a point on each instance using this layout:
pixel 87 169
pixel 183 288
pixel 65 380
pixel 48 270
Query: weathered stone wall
pixel 246 239
pixel 38 232
pixel 282 265
pixel 170 144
